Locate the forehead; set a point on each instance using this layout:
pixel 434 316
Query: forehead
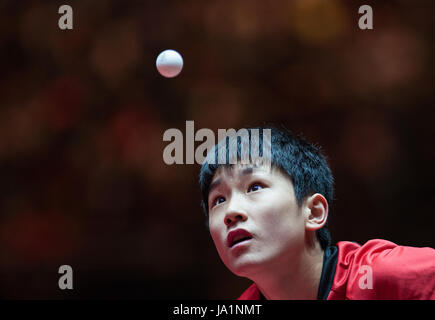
pixel 240 171
pixel 237 170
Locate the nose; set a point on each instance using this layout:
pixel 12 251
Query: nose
pixel 235 214
pixel 233 217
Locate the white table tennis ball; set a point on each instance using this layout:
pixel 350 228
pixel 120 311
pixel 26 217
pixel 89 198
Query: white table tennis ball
pixel 169 63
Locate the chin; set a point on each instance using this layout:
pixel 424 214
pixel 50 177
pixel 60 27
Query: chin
pixel 243 267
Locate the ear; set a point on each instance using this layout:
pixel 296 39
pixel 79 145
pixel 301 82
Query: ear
pixel 316 212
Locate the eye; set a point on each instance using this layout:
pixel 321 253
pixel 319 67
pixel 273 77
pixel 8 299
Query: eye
pixel 217 200
pixel 255 187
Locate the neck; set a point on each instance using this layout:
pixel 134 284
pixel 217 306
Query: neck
pixel 293 281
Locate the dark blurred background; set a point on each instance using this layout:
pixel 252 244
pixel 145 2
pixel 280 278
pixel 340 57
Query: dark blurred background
pixel 83 112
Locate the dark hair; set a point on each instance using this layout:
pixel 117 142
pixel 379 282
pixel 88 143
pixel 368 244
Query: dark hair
pixel 302 161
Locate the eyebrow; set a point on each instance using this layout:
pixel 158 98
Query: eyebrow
pixel 217 182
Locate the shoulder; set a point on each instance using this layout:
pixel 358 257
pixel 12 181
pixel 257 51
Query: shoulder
pixel 381 269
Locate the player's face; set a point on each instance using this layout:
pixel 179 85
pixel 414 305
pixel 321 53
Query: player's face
pixel 254 218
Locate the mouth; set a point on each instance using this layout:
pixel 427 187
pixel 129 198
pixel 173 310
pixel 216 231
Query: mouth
pixel 237 236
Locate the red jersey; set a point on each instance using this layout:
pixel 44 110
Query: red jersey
pixel 377 270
